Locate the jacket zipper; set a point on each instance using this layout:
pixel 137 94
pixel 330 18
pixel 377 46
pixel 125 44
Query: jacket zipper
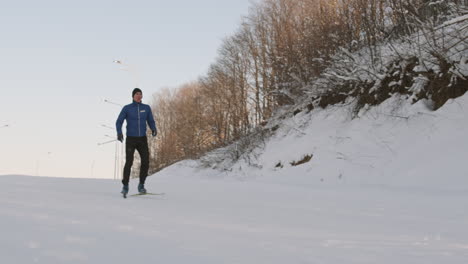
pixel 139 131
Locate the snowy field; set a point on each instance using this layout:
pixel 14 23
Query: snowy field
pixel 388 187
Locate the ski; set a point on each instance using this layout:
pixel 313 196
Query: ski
pixel 139 194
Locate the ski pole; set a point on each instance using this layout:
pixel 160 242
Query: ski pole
pixel 107 142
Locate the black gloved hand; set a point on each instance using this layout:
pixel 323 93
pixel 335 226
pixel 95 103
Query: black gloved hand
pixel 120 138
pixel 154 133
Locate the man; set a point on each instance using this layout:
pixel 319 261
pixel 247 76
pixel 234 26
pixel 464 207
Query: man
pixel 137 115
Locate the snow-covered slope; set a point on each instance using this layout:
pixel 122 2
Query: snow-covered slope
pixel 396 143
pixel 388 187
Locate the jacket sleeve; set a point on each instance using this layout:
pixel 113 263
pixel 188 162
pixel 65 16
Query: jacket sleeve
pixel 150 120
pixel 120 120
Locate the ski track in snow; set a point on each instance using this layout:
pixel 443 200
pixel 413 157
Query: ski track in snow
pixel 222 221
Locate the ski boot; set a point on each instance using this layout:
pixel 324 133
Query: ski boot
pixel 124 191
pixel 141 188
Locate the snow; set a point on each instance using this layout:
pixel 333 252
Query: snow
pixel 390 186
pixel 455 20
pixel 447 41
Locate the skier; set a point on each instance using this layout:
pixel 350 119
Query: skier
pixel 137 115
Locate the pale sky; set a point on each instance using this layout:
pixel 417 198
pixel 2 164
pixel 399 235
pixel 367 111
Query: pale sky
pixel 56 67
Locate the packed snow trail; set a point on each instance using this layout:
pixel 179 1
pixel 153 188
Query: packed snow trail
pixel 54 220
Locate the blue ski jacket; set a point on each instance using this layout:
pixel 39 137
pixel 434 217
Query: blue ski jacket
pixel 137 115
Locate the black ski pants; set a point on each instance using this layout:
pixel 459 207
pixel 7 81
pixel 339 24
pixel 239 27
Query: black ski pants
pixel 141 145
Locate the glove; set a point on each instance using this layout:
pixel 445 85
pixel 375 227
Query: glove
pixel 120 138
pixel 154 133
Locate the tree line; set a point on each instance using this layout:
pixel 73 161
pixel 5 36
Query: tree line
pixel 280 47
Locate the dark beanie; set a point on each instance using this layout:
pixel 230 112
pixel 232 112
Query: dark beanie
pixel 136 90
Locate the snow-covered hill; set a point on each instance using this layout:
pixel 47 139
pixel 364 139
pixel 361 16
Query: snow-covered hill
pixel 388 187
pixel 396 143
